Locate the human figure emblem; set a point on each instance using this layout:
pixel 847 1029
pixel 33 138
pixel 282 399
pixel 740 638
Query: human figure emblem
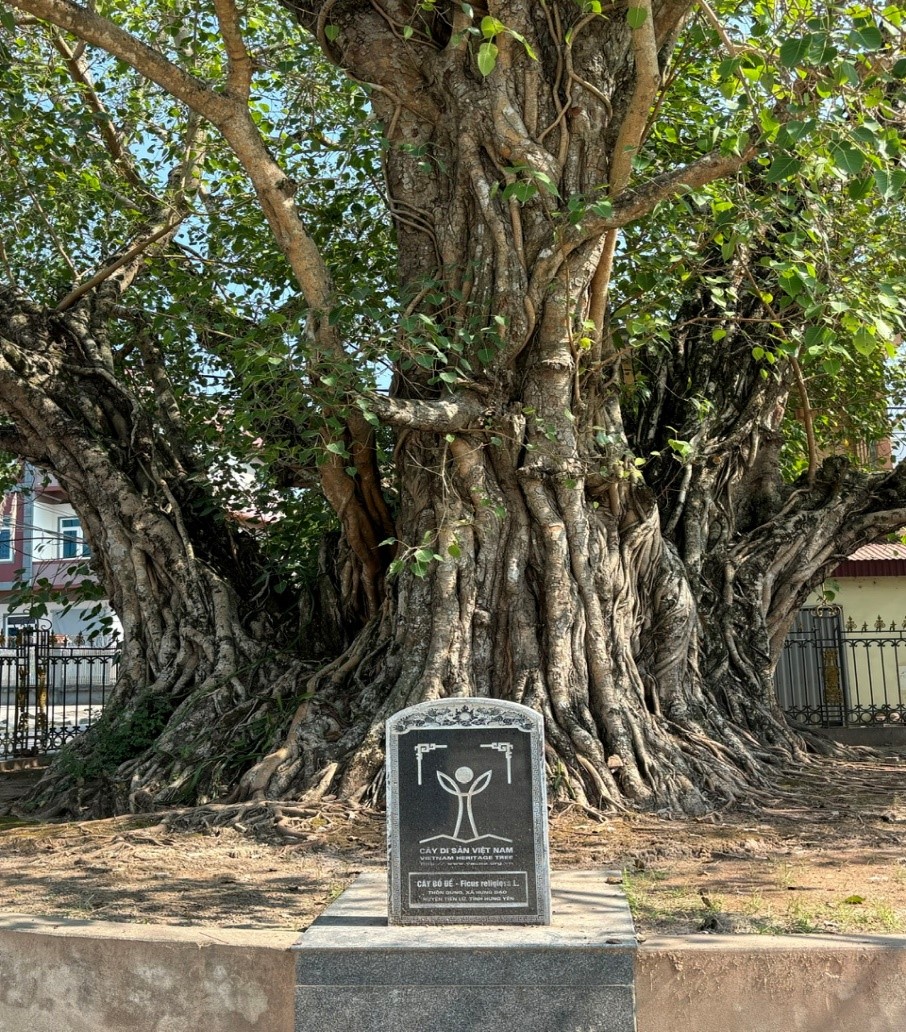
pixel 464 796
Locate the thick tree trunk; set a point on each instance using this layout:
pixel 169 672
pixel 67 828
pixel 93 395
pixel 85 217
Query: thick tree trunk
pixel 554 583
pixel 644 625
pixel 558 605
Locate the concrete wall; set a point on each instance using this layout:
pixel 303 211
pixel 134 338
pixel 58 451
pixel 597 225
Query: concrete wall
pixel 771 984
pixel 89 976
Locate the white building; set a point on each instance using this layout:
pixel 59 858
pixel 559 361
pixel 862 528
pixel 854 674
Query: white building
pixel 42 545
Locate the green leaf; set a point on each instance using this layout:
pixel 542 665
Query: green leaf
pixel 821 49
pixel 682 448
pixel 814 335
pixel 753 66
pixel 848 158
pixel 453 550
pixel 795 130
pixel 525 43
pixel 860 188
pixel 487 58
pixel 545 180
pixel 832 366
pixel 491 27
pixel 889 184
pixel 784 166
pixel 636 17
pixel 331 32
pixel 728 68
pixel 408 31
pixel 520 191
pixel 899 69
pixel 793 51
pixel 864 341
pixel 867 38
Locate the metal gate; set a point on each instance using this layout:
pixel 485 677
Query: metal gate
pixel 50 690
pixel 811 678
pixel 836 674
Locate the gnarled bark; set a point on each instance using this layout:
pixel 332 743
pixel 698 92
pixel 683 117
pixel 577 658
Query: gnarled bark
pixel 208 652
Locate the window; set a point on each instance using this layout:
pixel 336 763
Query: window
pixel 72 541
pixel 6 539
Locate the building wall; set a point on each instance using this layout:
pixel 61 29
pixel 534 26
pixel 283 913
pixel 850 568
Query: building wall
pixel 864 599
pixel 46 535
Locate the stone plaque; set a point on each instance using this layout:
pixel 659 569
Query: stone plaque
pixel 467 814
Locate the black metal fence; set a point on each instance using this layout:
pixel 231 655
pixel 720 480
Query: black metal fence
pixel 50 690
pixel 830 674
pixel 836 674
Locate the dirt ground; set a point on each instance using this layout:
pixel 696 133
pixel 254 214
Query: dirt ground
pixel 825 852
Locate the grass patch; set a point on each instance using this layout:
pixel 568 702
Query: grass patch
pixel 660 906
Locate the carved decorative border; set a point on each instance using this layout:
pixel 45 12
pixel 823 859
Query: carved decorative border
pixel 464 713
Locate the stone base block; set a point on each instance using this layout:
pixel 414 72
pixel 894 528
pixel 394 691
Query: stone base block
pixel 354 973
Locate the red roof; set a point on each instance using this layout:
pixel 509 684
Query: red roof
pixel 886 559
pixel 884 550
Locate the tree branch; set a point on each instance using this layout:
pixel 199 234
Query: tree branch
pixel 184 180
pixel 629 139
pixel 232 117
pixel 134 252
pixel 100 31
pixel 12 441
pixel 239 64
pixel 80 74
pixel 807 420
pixel 445 415
pixel 633 204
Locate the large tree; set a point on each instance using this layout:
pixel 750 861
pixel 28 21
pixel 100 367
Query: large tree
pixel 642 275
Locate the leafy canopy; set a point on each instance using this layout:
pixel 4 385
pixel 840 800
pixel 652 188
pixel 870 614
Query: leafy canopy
pixel 87 146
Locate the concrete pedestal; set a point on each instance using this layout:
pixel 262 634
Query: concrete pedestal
pixel 355 973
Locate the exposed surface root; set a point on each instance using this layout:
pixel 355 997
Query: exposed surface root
pixel 291 822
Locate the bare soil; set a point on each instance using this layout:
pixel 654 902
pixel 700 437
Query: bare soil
pixel 825 852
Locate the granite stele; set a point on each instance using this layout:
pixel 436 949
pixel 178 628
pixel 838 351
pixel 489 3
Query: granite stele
pixel 467 814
